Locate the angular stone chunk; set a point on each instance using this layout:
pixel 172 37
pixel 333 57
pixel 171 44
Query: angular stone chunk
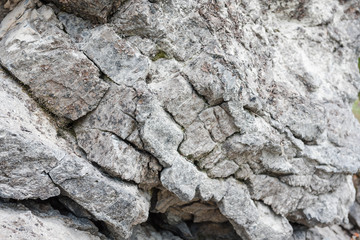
pixel 18 13
pixel 218 123
pixel 115 113
pixel 198 141
pixel 115 57
pixel 199 211
pixel 119 205
pixel 118 158
pixel 212 158
pixel 178 98
pixel 319 233
pixel 28 149
pixel 139 17
pixel 250 220
pixel 38 53
pixel 95 10
pixel 202 74
pixel 18 222
pixel 24 164
pixel 223 169
pixel 204 212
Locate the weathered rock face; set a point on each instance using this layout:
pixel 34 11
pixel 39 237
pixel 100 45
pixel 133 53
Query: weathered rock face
pixel 95 10
pixel 215 120
pixel 19 222
pixel 38 53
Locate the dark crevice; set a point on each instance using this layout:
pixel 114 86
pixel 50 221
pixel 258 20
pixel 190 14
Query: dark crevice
pixel 142 151
pixel 157 221
pixel 186 77
pixel 187 229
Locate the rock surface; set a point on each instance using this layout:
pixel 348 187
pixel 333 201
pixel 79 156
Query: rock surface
pixel 18 222
pixel 181 119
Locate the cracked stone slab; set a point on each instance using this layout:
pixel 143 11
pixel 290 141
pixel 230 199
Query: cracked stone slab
pixel 122 63
pixel 118 204
pixel 95 10
pixel 115 113
pixel 177 97
pixel 218 122
pixel 118 158
pixel 197 141
pixel 18 222
pixel 250 219
pixel 41 55
pixel 28 145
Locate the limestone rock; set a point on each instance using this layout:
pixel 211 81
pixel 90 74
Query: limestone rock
pixel 354 214
pixel 218 123
pixel 119 61
pixel 115 113
pixel 117 157
pixel 28 145
pixel 18 222
pixel 201 118
pixel 198 141
pixel 38 53
pixel 178 98
pixel 98 10
pixel 317 233
pixel 119 205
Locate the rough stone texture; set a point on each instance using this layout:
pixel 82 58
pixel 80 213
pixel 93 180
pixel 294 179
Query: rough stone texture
pixel 28 149
pixel 95 10
pixel 207 119
pixel 119 158
pixel 38 53
pixel 316 233
pixel 6 6
pixel 18 222
pixel 119 205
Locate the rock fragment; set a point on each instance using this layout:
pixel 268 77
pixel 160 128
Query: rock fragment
pixel 41 55
pixel 97 10
pixel 28 145
pixel 119 205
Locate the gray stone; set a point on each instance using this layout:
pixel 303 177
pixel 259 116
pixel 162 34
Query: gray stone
pixel 28 145
pixel 139 18
pixel 38 53
pixel 197 142
pixel 202 74
pixel 115 113
pixel 18 222
pixel 97 11
pixel 354 214
pixel 252 221
pixel 317 233
pixel 218 123
pixel 119 61
pixel 118 158
pixel 178 98
pixel 119 205
pixel 245 105
pixel 223 169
